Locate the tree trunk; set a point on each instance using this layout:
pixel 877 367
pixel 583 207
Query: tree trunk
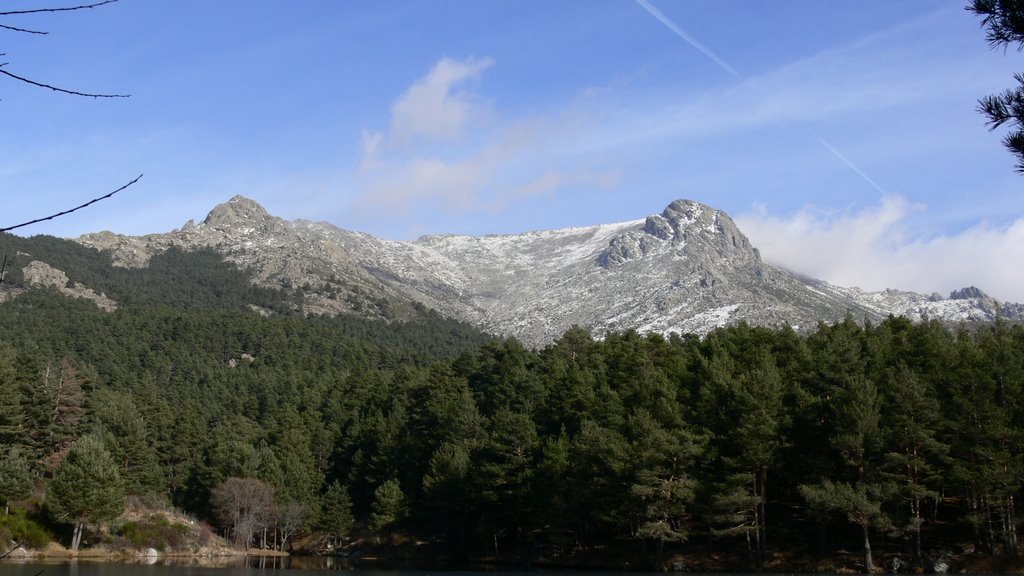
pixel 762 525
pixel 76 539
pixel 917 544
pixel 1011 515
pixel 659 551
pixel 972 507
pixel 868 564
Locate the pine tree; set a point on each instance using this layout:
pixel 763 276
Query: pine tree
pixel 445 501
pixel 861 503
pixel 751 441
pixel 661 482
pixel 118 420
pixel 11 414
pixel 915 456
pixel 15 477
pixel 599 466
pixel 504 474
pixel 987 464
pixel 86 487
pixel 336 513
pixel 1003 21
pixel 858 441
pixel 389 508
pixel 66 387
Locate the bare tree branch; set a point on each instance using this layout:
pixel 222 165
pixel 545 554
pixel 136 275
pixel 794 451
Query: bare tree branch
pixel 90 202
pixel 63 90
pixel 68 9
pixel 30 31
pixel 11 551
pixel 25 30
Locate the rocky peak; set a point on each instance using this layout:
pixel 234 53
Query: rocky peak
pixel 686 210
pixel 967 293
pixel 237 211
pixel 686 226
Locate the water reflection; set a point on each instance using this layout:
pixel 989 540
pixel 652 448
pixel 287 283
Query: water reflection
pixel 169 565
pixel 261 562
pixel 252 566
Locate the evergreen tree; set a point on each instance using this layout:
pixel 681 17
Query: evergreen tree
pixel 599 466
pixel 442 415
pixel 299 481
pixel 445 500
pixel 15 477
pixel 987 464
pixel 504 474
pixel 749 446
pixel 86 487
pixel 336 518
pixel 11 413
pixel 916 456
pixel 858 441
pixel 117 419
pixel 861 503
pixel 503 379
pixel 1003 21
pixel 389 508
pixel 66 387
pixel 661 483
pixel 550 482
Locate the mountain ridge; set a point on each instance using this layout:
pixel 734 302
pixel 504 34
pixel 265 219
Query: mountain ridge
pixel 688 268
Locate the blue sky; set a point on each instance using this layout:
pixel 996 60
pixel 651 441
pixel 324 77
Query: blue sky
pixel 841 135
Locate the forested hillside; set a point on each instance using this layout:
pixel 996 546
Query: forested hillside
pixel 753 442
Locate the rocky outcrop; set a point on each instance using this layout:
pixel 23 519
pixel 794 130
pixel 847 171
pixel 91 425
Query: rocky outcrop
pixel 41 274
pixel 247 235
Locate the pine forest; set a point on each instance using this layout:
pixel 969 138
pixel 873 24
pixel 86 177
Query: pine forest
pixel 852 444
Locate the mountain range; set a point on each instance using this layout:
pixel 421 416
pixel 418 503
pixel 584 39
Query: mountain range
pixel 688 269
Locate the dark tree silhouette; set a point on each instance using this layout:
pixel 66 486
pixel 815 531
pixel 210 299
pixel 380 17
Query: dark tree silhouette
pixel 1003 21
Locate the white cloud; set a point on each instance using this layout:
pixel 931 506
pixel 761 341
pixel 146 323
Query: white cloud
pixel 439 154
pixel 371 145
pixel 872 248
pixel 398 188
pixel 433 108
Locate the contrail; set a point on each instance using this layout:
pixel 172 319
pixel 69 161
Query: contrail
pixel 689 39
pixel 725 66
pixel 852 166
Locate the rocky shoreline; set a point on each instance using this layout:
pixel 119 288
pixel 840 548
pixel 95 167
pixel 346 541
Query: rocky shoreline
pixel 56 552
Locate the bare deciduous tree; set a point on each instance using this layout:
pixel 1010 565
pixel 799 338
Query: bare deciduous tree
pixel 244 506
pixel 289 519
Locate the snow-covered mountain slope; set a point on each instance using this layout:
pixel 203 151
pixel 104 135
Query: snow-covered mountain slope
pixel 687 269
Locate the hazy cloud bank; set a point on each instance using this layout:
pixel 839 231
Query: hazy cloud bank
pixel 871 248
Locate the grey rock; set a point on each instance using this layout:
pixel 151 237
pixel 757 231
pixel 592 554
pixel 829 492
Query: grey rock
pixel 41 274
pixel 967 293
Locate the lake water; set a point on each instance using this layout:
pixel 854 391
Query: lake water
pixel 251 566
